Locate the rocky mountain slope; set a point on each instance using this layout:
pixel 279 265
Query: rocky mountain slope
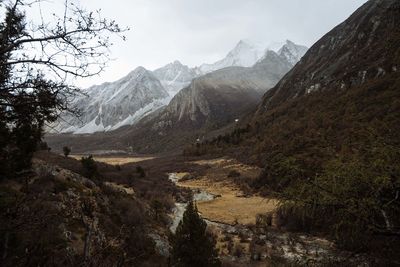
pixel 175 76
pixel 111 105
pixel 361 49
pixel 327 136
pixel 222 95
pixel 341 100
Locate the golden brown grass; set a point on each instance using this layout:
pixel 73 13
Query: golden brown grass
pixel 116 160
pixel 232 206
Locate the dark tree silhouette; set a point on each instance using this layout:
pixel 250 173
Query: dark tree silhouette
pixel 192 245
pixel 38 62
pixel 66 151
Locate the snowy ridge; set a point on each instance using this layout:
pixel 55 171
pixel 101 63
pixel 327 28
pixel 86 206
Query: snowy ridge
pixel 243 55
pixel 109 106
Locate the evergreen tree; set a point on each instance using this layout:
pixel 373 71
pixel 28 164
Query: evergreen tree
pixel 66 151
pixel 192 245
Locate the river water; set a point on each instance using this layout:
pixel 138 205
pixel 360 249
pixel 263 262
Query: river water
pixel 199 195
pixel 308 246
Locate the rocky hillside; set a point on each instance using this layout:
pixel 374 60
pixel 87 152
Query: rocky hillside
pixel 60 214
pixel 109 106
pixel 327 136
pixel 345 84
pixel 363 48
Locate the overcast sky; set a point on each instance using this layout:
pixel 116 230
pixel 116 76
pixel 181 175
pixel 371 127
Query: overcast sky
pixel 203 31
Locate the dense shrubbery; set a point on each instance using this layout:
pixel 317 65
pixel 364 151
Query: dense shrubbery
pixel 89 165
pixel 333 158
pixel 66 151
pixel 68 221
pixel 355 198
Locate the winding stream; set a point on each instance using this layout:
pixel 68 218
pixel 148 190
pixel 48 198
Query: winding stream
pixel 303 247
pixel 199 195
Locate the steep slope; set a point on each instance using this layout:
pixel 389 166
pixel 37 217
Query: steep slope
pixel 362 48
pixel 328 138
pixel 342 97
pixel 214 95
pixel 175 76
pixel 111 105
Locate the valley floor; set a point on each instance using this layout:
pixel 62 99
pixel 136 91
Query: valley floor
pixel 235 214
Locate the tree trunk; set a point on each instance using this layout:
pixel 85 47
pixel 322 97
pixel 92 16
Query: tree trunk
pixel 88 237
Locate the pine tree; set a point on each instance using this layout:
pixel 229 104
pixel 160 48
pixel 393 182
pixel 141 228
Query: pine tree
pixel 192 245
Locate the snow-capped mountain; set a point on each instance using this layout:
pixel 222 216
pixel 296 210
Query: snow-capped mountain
pixel 175 76
pixel 292 52
pixel 244 54
pixel 112 105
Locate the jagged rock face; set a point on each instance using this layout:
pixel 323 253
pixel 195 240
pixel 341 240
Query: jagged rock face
pixel 362 48
pixel 111 105
pixel 292 52
pixel 175 76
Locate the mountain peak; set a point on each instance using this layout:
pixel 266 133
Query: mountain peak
pixel 243 45
pixel 139 70
pixel 243 42
pixel 174 76
pixel 292 52
pixel 244 54
pixel 177 62
pixel 288 42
